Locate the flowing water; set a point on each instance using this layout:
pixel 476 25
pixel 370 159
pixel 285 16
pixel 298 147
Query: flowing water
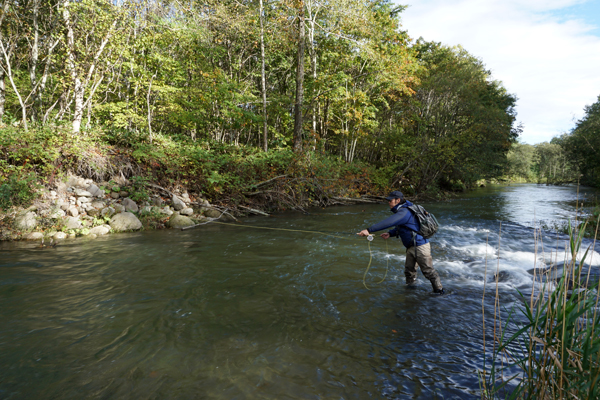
pixel 234 312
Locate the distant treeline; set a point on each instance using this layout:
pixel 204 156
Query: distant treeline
pixel 338 77
pixel 569 158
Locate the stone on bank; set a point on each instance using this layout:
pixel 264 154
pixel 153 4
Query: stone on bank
pixel 178 221
pixel 125 221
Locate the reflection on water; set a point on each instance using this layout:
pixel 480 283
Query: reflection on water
pixel 224 312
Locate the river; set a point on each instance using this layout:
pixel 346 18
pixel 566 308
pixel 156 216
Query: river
pixel 235 312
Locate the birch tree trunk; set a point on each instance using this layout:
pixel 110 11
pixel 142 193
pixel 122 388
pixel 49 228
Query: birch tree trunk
pixel 2 73
pixel 263 79
pixel 298 118
pixel 14 86
pixel 2 93
pixel 79 83
pixel 34 55
pixel 76 80
pixel 313 64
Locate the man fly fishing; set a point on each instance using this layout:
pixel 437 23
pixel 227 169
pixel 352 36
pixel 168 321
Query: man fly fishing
pixel 418 250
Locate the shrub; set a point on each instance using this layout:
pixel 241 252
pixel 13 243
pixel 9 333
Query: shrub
pixel 19 189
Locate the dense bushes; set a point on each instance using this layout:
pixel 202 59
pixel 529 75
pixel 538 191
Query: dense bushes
pixel 222 172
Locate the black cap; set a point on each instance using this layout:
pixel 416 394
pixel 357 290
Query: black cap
pixel 395 195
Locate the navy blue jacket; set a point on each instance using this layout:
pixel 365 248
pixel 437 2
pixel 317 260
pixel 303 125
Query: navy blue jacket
pixel 404 223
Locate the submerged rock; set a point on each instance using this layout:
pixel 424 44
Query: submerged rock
pixel 125 221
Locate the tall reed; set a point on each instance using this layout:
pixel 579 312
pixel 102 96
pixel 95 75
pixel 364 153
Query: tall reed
pixel 557 349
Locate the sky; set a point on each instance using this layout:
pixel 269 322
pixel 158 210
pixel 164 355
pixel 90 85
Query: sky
pixel 546 52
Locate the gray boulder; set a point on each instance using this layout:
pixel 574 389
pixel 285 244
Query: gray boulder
pixel 73 211
pixel 125 221
pixel 34 236
pixel 82 193
pixel 212 213
pixel 95 191
pixel 119 208
pixel 72 223
pixel 114 195
pixel 59 235
pixel 179 221
pixel 56 214
pixel 98 204
pixel 178 204
pixel 26 222
pixel 186 211
pixel 100 230
pixel 129 205
pixel 107 212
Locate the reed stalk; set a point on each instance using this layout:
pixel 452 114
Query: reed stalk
pixel 557 349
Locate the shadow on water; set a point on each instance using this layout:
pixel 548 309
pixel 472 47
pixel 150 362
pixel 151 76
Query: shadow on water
pixel 232 312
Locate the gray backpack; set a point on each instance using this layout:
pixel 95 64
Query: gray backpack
pixel 428 225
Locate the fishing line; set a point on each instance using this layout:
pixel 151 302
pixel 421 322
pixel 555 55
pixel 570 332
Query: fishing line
pixel 369 240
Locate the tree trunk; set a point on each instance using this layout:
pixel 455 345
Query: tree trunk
pixel 2 74
pixel 299 82
pixel 12 82
pixel 313 64
pixel 78 86
pixel 149 108
pixel 34 57
pixel 263 79
pixel 2 94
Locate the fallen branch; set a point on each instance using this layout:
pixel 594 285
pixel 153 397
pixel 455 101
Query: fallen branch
pixel 267 181
pixel 161 188
pixel 355 200
pixel 252 210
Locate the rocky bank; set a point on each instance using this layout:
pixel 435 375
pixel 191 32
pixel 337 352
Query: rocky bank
pixel 79 207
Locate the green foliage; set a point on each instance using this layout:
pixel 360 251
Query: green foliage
pixel 583 143
pixel 178 90
pixel 521 162
pixel 18 189
pixel 553 164
pixel 139 188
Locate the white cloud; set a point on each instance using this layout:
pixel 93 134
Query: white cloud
pixel 551 62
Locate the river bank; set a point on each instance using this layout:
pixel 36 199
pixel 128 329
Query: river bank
pixel 80 207
pixel 54 184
